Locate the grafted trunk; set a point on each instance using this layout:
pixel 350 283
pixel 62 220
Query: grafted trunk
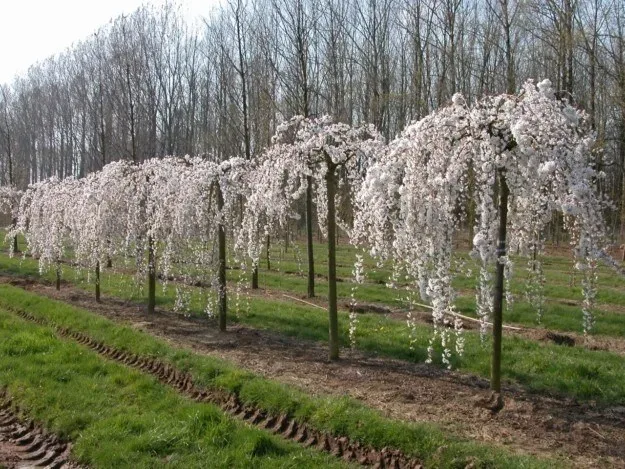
pixel 15 245
pixel 495 376
pixel 151 276
pixel 58 275
pixel 309 240
pixel 255 277
pixel 221 240
pixel 332 299
pixel 97 281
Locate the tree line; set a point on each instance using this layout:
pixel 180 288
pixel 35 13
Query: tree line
pixel 151 84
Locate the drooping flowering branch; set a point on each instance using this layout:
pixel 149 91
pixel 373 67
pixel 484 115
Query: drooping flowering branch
pixel 9 206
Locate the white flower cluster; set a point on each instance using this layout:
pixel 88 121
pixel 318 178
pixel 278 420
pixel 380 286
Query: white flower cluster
pixel 358 275
pixel 304 150
pixel 9 200
pixel 9 205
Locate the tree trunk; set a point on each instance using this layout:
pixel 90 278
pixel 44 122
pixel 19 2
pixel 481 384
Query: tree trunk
pixel 15 245
pixel 58 275
pixel 268 255
pixel 332 301
pixel 309 239
pixel 495 377
pixel 97 281
pixel 255 277
pixel 151 276
pixel 222 266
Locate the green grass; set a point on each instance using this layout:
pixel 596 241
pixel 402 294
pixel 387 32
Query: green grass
pixel 559 313
pixel 26 353
pixel 540 367
pixel 544 368
pixel 120 418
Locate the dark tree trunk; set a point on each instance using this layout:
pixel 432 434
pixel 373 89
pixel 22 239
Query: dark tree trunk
pixel 151 276
pixel 255 277
pixel 495 379
pixel 97 281
pixel 58 275
pixel 222 266
pixel 15 245
pixel 309 240
pixel 332 299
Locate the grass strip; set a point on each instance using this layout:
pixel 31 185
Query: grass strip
pixel 562 308
pixel 119 418
pixel 337 415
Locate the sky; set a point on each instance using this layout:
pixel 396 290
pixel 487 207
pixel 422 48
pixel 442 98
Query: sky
pixel 31 30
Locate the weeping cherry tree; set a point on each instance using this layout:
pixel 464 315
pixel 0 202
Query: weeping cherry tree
pixel 43 220
pixel 333 157
pixel 531 155
pixel 173 210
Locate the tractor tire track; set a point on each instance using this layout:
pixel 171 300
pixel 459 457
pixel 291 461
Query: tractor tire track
pixel 26 445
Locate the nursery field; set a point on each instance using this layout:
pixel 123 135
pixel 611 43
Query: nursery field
pixel 263 394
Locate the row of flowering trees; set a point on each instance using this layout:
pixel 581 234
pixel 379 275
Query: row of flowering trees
pixel 519 157
pixel 171 213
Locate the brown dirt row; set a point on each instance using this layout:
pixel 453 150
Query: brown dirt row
pixel 23 444
pixel 584 434
pixel 283 425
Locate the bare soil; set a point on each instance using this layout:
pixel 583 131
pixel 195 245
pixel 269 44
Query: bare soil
pixel 584 434
pixel 9 453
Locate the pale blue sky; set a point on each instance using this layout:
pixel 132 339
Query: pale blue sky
pixel 31 30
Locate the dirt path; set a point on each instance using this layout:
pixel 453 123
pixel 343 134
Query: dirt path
pixel 585 434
